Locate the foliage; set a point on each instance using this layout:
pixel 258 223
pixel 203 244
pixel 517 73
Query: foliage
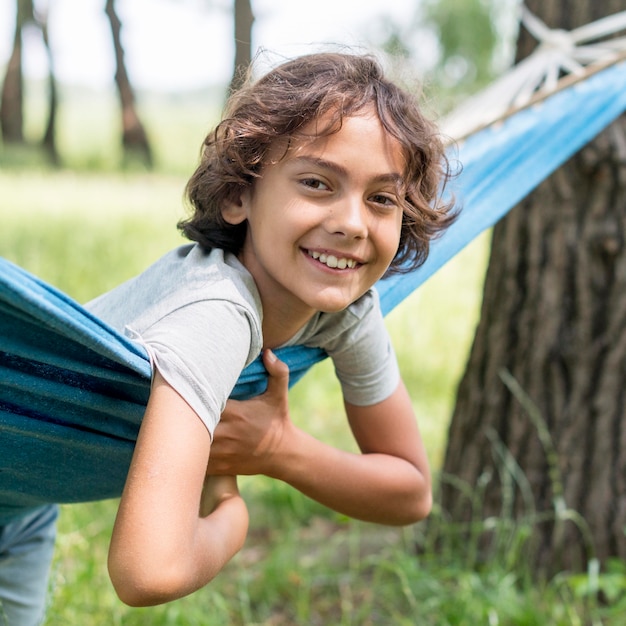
pixel 467 39
pixel 454 47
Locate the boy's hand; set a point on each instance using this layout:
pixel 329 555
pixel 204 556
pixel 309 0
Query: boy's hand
pixel 217 489
pixel 250 435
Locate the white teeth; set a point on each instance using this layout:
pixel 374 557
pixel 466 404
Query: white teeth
pixel 333 261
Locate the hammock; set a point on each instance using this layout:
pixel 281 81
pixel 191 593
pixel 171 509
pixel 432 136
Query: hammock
pixel 73 391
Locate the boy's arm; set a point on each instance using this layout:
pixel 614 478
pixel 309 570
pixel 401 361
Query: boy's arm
pixel 175 527
pixel 388 483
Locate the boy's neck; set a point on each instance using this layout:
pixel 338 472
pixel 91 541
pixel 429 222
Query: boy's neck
pixel 280 325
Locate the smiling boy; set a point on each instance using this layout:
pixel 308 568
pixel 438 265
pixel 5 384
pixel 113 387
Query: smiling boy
pixel 322 177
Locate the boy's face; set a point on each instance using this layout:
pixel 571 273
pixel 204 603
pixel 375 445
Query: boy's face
pixel 324 219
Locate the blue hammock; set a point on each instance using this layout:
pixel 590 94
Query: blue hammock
pixel 73 391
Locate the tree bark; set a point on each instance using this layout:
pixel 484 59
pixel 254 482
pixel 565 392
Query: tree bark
pixel 244 21
pixel 134 137
pixel 538 433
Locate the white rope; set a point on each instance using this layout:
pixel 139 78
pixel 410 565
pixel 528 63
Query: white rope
pixel 559 53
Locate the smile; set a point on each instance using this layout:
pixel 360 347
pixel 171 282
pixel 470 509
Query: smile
pixel 332 261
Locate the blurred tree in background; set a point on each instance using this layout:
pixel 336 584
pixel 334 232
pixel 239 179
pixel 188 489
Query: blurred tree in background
pixel 134 138
pixel 243 23
pixel 12 102
pixel 12 98
pixel 453 47
pixel 467 38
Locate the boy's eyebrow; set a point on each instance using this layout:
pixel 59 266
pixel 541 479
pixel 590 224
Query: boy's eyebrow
pixel 391 177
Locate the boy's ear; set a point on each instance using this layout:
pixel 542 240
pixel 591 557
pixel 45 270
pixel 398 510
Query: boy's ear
pixel 235 211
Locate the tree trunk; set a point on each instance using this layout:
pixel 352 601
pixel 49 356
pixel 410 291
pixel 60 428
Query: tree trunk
pixel 244 21
pixel 49 139
pixel 538 434
pixel 12 99
pixel 134 138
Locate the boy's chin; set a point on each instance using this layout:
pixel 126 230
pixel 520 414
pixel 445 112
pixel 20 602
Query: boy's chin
pixel 337 306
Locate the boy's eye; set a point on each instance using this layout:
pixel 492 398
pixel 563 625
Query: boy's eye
pixel 384 200
pixel 314 183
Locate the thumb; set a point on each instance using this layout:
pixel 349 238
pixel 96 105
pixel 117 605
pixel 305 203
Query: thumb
pixel 278 371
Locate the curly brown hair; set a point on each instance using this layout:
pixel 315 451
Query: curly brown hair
pixel 332 86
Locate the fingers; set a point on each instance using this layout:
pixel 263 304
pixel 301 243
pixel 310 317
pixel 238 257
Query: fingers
pixel 222 486
pixel 278 372
pixel 216 490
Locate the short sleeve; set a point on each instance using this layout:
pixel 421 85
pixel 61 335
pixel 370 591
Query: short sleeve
pixel 364 359
pixel 200 350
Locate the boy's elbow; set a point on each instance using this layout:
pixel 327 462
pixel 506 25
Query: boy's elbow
pixel 138 592
pixel 423 507
pixel 137 596
pixel 147 587
pixel 423 499
pixel 416 509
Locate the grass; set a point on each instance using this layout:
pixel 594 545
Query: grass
pixel 302 564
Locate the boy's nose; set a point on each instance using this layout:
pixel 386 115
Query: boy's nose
pixel 348 218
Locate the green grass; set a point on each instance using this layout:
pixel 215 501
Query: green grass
pixel 302 564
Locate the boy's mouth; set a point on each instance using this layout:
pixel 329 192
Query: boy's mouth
pixel 332 261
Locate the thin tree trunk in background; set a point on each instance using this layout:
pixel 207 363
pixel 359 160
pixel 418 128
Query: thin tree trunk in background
pixel 134 138
pixel 12 98
pixel 554 319
pixel 244 21
pixel 49 138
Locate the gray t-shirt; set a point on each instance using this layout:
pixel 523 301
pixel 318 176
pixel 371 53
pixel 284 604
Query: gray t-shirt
pixel 199 316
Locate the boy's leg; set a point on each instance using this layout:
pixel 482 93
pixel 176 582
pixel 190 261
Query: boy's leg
pixel 26 549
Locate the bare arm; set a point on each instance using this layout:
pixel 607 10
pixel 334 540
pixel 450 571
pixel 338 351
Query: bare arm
pixel 388 483
pixel 176 527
